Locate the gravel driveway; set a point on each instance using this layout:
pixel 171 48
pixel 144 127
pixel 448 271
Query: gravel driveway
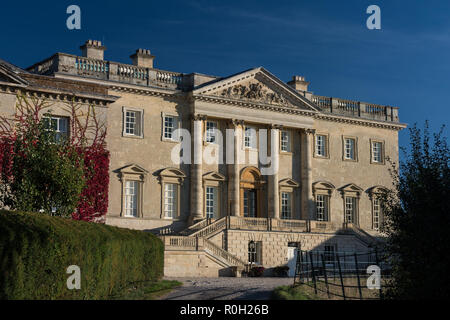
pixel 226 288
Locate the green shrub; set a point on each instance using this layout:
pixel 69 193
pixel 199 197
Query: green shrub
pixel 36 250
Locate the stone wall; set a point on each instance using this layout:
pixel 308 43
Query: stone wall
pixel 275 244
pixel 192 264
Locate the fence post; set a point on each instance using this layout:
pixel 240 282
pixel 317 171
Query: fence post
pixel 325 274
pixel 357 275
pixel 340 275
pixel 312 270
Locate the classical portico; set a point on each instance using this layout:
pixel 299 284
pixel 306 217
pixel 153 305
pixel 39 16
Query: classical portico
pixel 253 99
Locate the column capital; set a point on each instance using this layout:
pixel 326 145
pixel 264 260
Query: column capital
pixel 310 131
pixel 275 126
pixel 198 117
pixel 236 122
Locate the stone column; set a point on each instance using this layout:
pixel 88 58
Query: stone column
pixel 274 193
pixel 307 196
pixel 196 169
pixel 234 168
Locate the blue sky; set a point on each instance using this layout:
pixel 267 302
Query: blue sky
pixel 405 64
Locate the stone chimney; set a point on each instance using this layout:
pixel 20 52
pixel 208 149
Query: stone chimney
pixel 299 83
pixel 142 58
pixel 93 49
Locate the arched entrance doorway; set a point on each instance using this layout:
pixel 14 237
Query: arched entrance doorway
pixel 251 192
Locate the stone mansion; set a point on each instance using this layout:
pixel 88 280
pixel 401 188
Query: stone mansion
pixel 330 156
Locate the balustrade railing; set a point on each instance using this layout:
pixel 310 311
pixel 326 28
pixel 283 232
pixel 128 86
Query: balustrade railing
pixel 91 65
pixel 216 226
pixel 181 243
pixel 132 72
pixel 356 108
pixel 169 77
pixel 219 252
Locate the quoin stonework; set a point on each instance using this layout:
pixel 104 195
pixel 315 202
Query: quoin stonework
pixel 215 217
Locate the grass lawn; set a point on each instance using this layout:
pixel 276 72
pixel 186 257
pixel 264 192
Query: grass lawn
pixel 292 293
pixel 146 290
pixel 307 292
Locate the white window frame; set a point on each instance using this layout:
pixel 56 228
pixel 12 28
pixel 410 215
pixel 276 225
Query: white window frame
pixel 286 205
pixel 138 123
pixel 171 199
pixel 134 205
pixel 351 209
pixel 175 177
pixel 138 174
pixel 211 128
pixel 176 125
pixel 377 157
pixel 285 141
pixel 211 202
pixel 251 139
pixel 321 150
pixel 322 207
pixel 376 213
pixel 350 152
pixel 59 133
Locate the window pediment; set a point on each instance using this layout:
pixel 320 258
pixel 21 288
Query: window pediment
pixel 172 175
pixel 351 189
pixel 133 171
pixel 214 176
pixel 323 185
pixel 289 183
pixel 376 190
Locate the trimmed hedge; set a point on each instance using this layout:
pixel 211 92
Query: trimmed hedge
pixel 36 250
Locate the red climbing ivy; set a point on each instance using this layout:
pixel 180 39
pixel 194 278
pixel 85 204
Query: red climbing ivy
pixel 87 137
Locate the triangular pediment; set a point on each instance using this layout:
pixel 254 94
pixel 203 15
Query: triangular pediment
pixel 214 176
pixel 255 86
pixel 351 188
pixel 133 169
pixel 9 74
pixel 289 183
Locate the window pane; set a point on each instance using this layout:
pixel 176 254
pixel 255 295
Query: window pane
pixel 285 143
pixel 250 137
pixel 170 200
pixel 130 122
pixel 131 198
pixel 350 149
pixel 321 145
pixel 322 207
pixel 211 202
pixel 350 209
pixel 286 205
pixel 169 127
pixel 377 152
pixel 376 213
pixel 211 128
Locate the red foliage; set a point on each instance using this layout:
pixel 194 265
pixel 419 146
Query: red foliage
pixel 6 154
pixel 94 198
pixel 87 134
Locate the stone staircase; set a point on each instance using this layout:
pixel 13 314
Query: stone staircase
pixel 361 235
pixel 204 230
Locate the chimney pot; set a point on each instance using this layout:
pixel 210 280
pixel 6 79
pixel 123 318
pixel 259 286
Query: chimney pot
pixel 142 58
pixel 93 49
pixel 299 83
